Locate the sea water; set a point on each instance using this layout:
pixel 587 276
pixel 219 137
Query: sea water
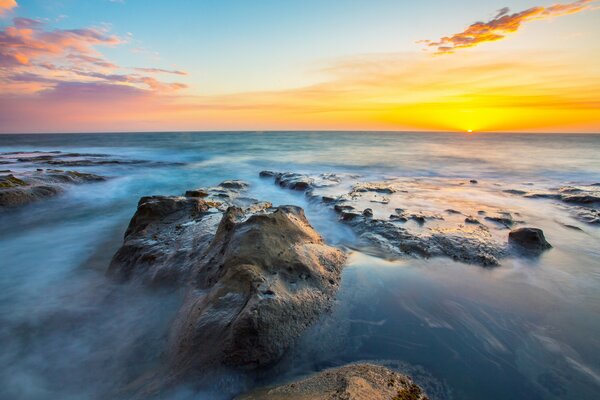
pixel 527 329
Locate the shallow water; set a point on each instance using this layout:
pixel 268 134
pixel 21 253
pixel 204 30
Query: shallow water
pixel 528 329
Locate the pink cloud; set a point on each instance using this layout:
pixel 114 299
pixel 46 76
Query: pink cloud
pixel 503 24
pixel 33 58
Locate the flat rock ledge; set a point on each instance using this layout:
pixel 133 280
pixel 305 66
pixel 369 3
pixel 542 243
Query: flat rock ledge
pixel 351 382
pixel 255 276
pixel 470 242
pixel 21 188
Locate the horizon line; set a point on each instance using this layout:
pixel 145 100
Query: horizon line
pixel 299 131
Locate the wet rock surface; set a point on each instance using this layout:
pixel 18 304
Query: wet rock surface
pixel 351 382
pixel 262 281
pixel 583 201
pixel 168 234
pixel 21 188
pixel 257 276
pixel 530 239
pixel 392 232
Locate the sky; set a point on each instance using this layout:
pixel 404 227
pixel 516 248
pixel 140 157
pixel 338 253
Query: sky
pixel 191 65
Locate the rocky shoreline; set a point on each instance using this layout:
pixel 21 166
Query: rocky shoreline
pixel 257 276
pixel 20 188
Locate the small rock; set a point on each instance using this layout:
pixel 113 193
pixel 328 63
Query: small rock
pixel 531 239
pixel 472 220
pixel 368 212
pixel 196 193
pixel 473 181
pixel 234 184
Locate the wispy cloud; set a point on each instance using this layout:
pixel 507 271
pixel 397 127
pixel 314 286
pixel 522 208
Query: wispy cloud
pixel 34 58
pixel 502 24
pixel 7 5
pixel 160 71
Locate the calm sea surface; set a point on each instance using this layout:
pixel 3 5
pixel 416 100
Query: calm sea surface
pixel 528 329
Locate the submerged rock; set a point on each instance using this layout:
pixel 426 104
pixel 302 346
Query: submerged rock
pixel 351 382
pixel 582 201
pixel 17 189
pixel 531 239
pixel 61 159
pixel 262 281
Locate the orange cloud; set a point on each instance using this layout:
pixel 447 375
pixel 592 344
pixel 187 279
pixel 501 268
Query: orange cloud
pixel 7 5
pixel 503 24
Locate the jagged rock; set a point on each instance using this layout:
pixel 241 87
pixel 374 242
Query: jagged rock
pixel 351 382
pixel 165 239
pixel 531 239
pixel 472 220
pixel 262 281
pixel 168 235
pixel 17 189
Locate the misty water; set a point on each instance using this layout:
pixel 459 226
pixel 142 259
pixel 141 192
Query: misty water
pixel 527 329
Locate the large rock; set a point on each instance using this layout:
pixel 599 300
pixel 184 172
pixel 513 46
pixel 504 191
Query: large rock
pixel 164 240
pixel 351 382
pixel 531 239
pixel 18 189
pixel 263 280
pixel 168 235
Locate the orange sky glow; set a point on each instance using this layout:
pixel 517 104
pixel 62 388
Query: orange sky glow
pixel 58 81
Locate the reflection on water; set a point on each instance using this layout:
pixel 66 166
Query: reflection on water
pixel 528 329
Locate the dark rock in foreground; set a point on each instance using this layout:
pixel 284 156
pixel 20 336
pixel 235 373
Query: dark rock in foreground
pixel 531 239
pixel 263 280
pixel 351 382
pixel 168 235
pixel 17 189
pixel 164 240
pixel 257 276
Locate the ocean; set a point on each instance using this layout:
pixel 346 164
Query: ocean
pixel 526 329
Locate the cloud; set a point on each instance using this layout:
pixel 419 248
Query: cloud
pixel 26 40
pixel 160 71
pixel 34 58
pixel 7 5
pixel 371 92
pixel 503 24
